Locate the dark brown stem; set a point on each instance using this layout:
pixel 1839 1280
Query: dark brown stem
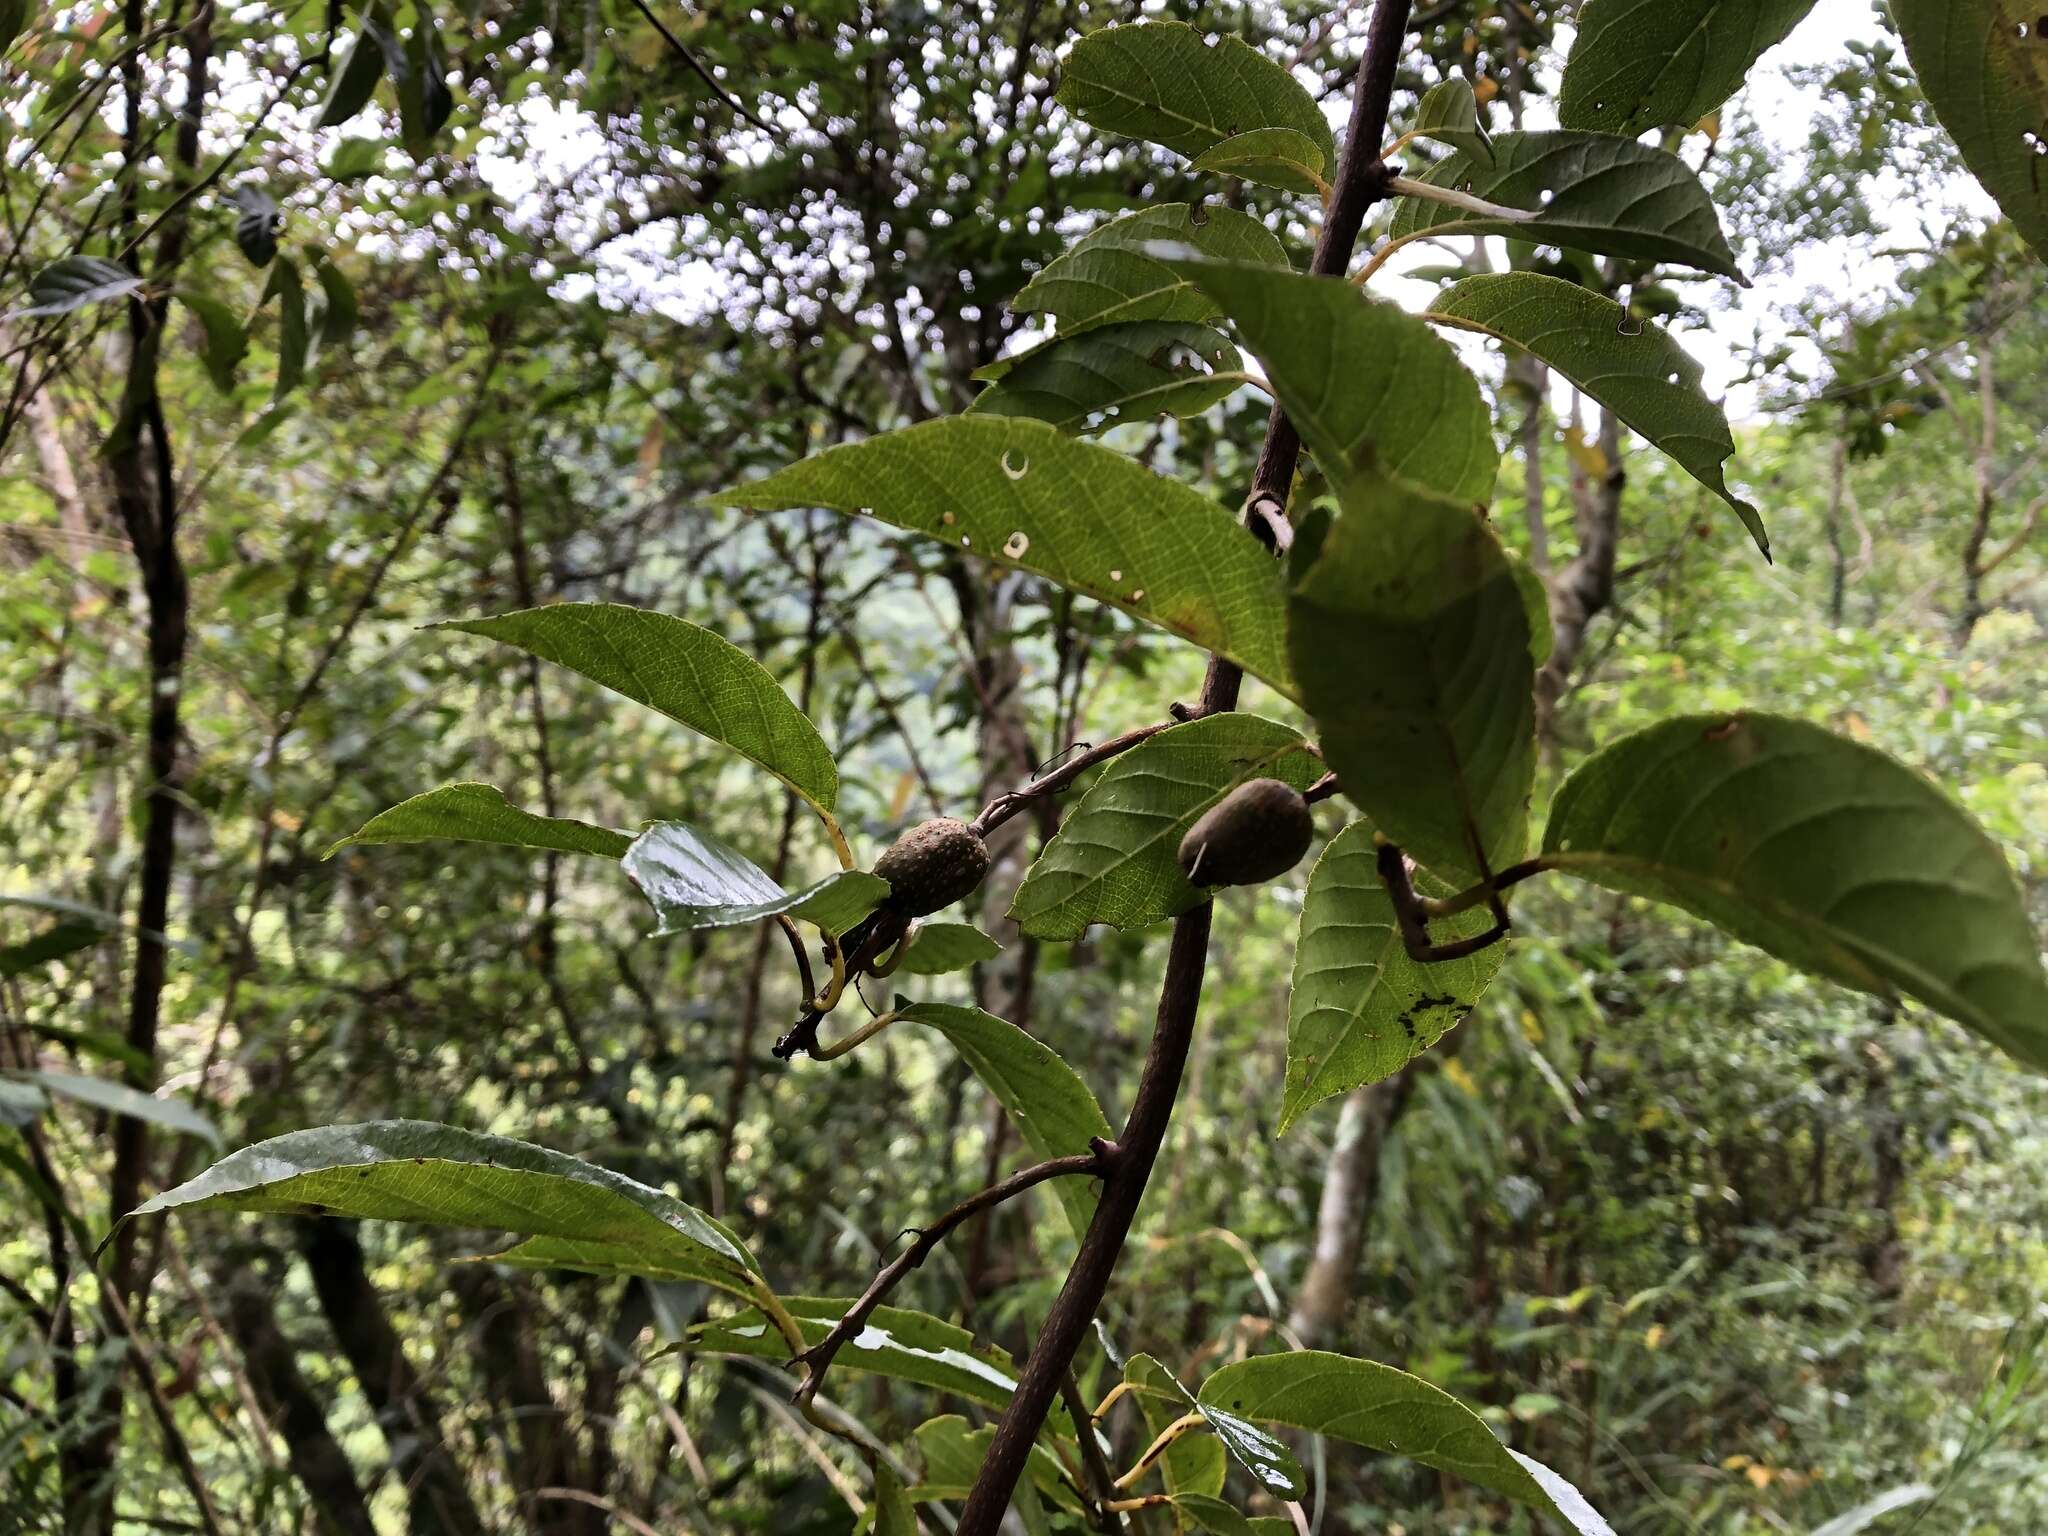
pixel 1485 891
pixel 1360 182
pixel 1005 806
pixel 1099 1161
pixel 1101 1480
pixel 1412 912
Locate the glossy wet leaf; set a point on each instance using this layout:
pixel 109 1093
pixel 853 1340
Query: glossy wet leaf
pixel 695 879
pixel 896 1342
pixel 1110 277
pixel 1163 81
pixel 1388 1410
pixel 1825 852
pixel 1360 1008
pixel 1270 1463
pixel 1411 642
pixel 1449 114
pixel 417 1171
pixel 1083 516
pixel 1285 158
pixel 1118 373
pixel 1632 368
pixel 1365 383
pixel 1635 66
pixel 1115 858
pixel 683 670
pixel 73 283
pixel 480 813
pixel 120 1099
pixel 1055 1113
pixel 1587 191
pixel 938 948
pixel 1984 67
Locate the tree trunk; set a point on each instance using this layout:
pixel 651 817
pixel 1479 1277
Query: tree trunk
pixel 1583 588
pixel 540 1444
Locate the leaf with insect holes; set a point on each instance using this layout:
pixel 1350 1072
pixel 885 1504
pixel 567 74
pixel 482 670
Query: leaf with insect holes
pixel 1118 373
pixel 1360 1009
pixel 586 1217
pixel 1083 516
pixel 1270 1463
pixel 480 813
pixel 695 880
pixel 1449 114
pixel 1390 1411
pixel 1411 639
pixel 1633 369
pixel 1585 191
pixel 939 948
pixel 1163 81
pixel 1636 66
pixel 1984 67
pixel 1115 859
pixel 1054 1111
pixel 73 283
pixel 683 670
pixel 1365 383
pixel 1828 854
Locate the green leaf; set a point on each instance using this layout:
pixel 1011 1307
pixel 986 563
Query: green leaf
pixel 21 1104
pixel 683 670
pixel 1449 114
pixel 1054 1111
pixel 1115 859
pixel 120 1099
pixel 74 282
pixel 1984 67
pixel 953 1452
pixel 1412 645
pixel 413 1170
pixel 1270 1463
pixel 354 79
pixel 1636 371
pixel 1636 66
pixel 895 1515
pixel 1361 1009
pixel 338 317
pixel 1365 383
pixel 1271 157
pixel 898 1343
pixel 227 339
pixel 292 335
pixel 1828 854
pixel 480 813
pixel 424 100
pixel 1207 1513
pixel 1077 514
pixel 1388 1410
pixel 66 937
pixel 1103 378
pixel 938 948
pixel 1164 82
pixel 1107 277
pixel 1585 191
pixel 14 15
pixel 695 880
pixel 256 224
pixel 353 159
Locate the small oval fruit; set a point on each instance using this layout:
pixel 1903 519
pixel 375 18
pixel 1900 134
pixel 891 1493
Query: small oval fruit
pixel 1255 833
pixel 933 865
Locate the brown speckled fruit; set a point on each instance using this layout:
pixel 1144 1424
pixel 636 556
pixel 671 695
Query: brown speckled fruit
pixel 1255 833
pixel 933 865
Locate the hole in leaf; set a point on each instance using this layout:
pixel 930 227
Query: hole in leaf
pixel 1017 470
pixel 1016 544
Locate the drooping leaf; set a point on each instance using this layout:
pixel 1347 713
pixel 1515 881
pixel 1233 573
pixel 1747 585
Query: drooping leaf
pixel 1365 383
pixel 1115 858
pixel 1271 157
pixel 695 880
pixel 1411 643
pixel 938 948
pixel 227 340
pixel 1449 114
pixel 424 100
pixel 898 1343
pixel 1361 1009
pixel 1825 852
pixel 292 336
pixel 14 15
pixel 1636 66
pixel 1270 1463
pixel 257 223
pixel 683 670
pixel 339 315
pixel 1077 514
pixel 1633 369
pixel 120 1099
pixel 480 813
pixel 1163 81
pixel 72 283
pixel 1053 1110
pixel 1108 278
pixel 1118 373
pixel 894 1514
pixel 1984 67
pixel 1585 191
pixel 66 937
pixel 414 1170
pixel 1388 1410
pixel 354 79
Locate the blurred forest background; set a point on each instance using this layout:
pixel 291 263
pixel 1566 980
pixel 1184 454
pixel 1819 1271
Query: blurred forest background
pixel 1738 1252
